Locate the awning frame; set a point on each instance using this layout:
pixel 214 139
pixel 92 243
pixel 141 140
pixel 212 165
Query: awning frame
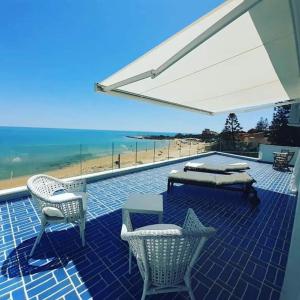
pixel 215 28
pixel 115 88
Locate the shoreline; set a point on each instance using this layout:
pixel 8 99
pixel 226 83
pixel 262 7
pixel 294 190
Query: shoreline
pixel 190 137
pixel 178 148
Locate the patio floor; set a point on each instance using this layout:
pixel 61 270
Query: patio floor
pixel 246 259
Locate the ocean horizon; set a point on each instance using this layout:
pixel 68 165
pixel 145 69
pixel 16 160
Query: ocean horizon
pixel 29 150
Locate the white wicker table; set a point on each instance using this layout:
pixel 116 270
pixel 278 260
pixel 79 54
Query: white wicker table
pixel 143 204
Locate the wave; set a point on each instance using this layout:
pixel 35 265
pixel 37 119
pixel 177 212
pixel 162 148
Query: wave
pixel 16 159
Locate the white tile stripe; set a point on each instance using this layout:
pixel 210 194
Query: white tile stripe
pixel 15 246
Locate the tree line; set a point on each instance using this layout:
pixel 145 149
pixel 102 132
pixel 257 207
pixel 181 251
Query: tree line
pixel 277 133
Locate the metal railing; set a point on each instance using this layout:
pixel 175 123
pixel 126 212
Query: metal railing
pixel 244 149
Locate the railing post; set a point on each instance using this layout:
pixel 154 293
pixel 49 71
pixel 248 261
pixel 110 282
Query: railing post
pixel 180 146
pixel 112 155
pixel 154 151
pixel 80 156
pixel 12 166
pixel 169 149
pixel 190 148
pixel 136 146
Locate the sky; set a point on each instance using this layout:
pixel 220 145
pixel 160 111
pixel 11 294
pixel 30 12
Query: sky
pixel 52 53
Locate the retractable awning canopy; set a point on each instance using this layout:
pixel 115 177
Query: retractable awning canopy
pixel 243 55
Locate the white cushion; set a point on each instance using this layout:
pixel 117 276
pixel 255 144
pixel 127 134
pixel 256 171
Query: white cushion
pixel 157 227
pixel 52 212
pixel 194 165
pixel 239 164
pixel 174 171
pixel 67 196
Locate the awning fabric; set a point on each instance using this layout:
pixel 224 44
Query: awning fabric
pixel 243 55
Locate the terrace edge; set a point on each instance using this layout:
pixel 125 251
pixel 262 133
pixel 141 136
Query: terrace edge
pixel 21 191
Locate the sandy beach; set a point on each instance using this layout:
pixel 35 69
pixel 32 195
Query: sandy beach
pixel 178 148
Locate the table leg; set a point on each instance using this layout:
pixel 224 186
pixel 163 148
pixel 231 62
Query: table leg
pixel 129 252
pixel 130 261
pixel 160 218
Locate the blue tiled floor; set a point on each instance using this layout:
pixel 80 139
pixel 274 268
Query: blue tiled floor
pixel 246 259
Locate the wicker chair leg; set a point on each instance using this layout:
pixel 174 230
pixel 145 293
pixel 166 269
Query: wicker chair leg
pixel 191 294
pixel 169 186
pixel 130 261
pixel 38 238
pixel 189 288
pixel 82 233
pixel 144 291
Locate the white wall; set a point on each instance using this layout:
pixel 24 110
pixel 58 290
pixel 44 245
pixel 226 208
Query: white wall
pixel 295 180
pixel 266 152
pixel 291 288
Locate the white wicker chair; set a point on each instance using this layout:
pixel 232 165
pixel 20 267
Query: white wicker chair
pixel 58 202
pixel 166 253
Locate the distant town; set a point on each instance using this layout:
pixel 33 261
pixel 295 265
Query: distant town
pixel 234 138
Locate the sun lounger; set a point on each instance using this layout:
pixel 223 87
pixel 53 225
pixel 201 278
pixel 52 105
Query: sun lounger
pixel 224 181
pixel 211 168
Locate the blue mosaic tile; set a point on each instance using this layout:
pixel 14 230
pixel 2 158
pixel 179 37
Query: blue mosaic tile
pixel 246 259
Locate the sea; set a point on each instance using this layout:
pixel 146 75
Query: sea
pixel 25 150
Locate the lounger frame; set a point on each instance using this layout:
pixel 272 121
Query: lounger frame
pixel 215 171
pixel 247 188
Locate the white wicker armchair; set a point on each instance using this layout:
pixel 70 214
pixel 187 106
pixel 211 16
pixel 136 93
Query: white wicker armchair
pixel 58 202
pixel 166 253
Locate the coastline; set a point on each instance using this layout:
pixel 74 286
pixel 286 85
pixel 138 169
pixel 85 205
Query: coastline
pixel 179 147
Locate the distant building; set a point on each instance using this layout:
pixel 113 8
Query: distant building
pixel 294 117
pixel 207 131
pixel 253 139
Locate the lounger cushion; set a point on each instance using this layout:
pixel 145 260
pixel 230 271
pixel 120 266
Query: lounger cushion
pixel 207 178
pixel 212 179
pixel 234 178
pixel 217 168
pixel 194 165
pixel 237 166
pixel 206 167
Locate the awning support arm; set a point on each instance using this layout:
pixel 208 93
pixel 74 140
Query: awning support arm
pixel 215 28
pixel 124 82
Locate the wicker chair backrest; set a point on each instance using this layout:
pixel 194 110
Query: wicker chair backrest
pixel 167 258
pixel 290 154
pixel 43 186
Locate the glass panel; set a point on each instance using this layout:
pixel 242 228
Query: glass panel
pixel 96 158
pixel 58 160
pixel 23 161
pixel 124 155
pixel 62 161
pixel 145 152
pixel 161 150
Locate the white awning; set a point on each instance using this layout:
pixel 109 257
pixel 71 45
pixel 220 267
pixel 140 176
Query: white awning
pixel 243 55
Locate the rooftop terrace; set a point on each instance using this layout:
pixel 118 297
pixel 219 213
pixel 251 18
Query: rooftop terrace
pixel 246 259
